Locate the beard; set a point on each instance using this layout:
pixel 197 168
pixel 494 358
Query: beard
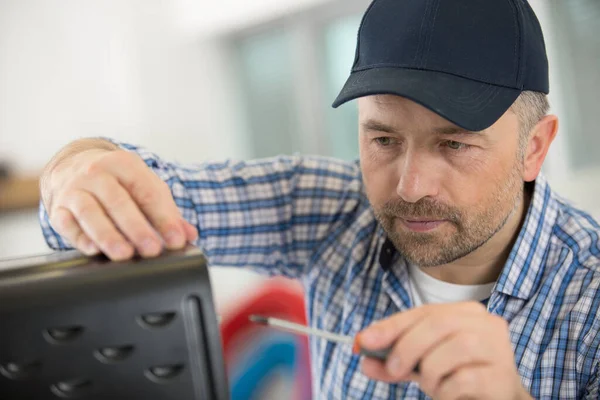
pixel 470 228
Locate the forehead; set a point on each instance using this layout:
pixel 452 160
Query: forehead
pixel 396 110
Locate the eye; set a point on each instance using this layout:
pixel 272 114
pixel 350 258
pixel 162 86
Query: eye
pixel 454 145
pixel 384 141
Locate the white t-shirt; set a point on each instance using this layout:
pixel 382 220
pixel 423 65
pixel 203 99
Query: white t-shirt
pixel 426 289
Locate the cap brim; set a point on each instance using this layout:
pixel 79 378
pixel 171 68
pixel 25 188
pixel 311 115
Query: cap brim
pixel 469 104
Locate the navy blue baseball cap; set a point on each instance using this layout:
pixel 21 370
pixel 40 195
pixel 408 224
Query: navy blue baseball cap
pixel 466 60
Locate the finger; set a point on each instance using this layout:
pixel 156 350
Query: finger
pixel 63 222
pixel 424 336
pixel 466 383
pixel 383 333
pixel 452 354
pixel 97 226
pixel 375 369
pixel 125 214
pixel 86 246
pixel 191 233
pixel 151 194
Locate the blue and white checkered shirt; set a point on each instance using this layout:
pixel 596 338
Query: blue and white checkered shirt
pixel 309 218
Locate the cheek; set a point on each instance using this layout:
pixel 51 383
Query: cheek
pixel 379 178
pixel 480 181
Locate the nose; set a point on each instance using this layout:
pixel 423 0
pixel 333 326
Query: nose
pixel 417 178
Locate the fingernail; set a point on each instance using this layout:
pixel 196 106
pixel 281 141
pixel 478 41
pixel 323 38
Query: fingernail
pixel 119 249
pixel 394 366
pixel 150 246
pixel 174 238
pixel 89 248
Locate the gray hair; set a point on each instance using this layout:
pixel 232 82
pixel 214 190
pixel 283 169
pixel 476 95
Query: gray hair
pixel 530 107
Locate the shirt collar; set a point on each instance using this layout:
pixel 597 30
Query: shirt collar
pixel 525 264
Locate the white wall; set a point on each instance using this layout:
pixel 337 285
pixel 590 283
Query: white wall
pixel 119 68
pixel 206 18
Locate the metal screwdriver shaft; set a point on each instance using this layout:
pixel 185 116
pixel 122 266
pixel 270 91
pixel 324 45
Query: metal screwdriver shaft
pixel 305 330
pixel 302 329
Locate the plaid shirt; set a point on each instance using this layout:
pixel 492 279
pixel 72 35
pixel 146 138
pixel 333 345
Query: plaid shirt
pixel 309 218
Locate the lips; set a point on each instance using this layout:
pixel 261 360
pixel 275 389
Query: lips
pixel 420 224
pixel 423 220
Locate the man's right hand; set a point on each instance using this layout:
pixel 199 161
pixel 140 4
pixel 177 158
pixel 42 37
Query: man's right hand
pixel 110 201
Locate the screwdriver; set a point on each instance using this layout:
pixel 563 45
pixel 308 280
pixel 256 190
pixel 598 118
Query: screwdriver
pixel 292 327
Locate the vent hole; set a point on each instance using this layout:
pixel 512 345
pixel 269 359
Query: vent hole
pixel 71 388
pixel 15 371
pixel 163 373
pixel 113 354
pixel 63 334
pixel 157 320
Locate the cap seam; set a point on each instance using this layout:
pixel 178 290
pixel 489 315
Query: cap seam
pixel 426 54
pixel 360 28
pixel 416 60
pixel 519 42
pixel 392 65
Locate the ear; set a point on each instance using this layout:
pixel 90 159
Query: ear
pixel 538 144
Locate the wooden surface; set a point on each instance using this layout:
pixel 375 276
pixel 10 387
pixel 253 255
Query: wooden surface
pixel 18 193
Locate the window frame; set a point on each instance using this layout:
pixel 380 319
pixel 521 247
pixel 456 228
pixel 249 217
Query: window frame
pixel 303 28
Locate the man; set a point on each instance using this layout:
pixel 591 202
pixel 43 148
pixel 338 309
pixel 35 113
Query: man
pixel 445 241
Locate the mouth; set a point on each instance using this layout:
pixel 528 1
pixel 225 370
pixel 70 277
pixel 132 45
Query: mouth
pixel 421 224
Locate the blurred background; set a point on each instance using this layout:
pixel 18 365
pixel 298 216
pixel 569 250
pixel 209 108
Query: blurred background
pixel 195 80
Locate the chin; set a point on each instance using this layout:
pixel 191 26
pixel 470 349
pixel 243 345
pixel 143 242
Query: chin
pixel 430 260
pixel 420 248
pixel 430 249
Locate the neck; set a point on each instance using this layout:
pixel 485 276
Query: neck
pixel 485 264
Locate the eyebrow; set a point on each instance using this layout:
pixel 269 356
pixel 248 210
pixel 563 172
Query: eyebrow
pixel 455 130
pixel 374 125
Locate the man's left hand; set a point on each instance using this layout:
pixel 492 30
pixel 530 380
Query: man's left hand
pixel 460 349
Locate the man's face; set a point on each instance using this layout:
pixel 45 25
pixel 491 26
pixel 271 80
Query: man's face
pixel 438 191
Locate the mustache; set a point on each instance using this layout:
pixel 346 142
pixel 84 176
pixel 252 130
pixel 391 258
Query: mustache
pixel 424 208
